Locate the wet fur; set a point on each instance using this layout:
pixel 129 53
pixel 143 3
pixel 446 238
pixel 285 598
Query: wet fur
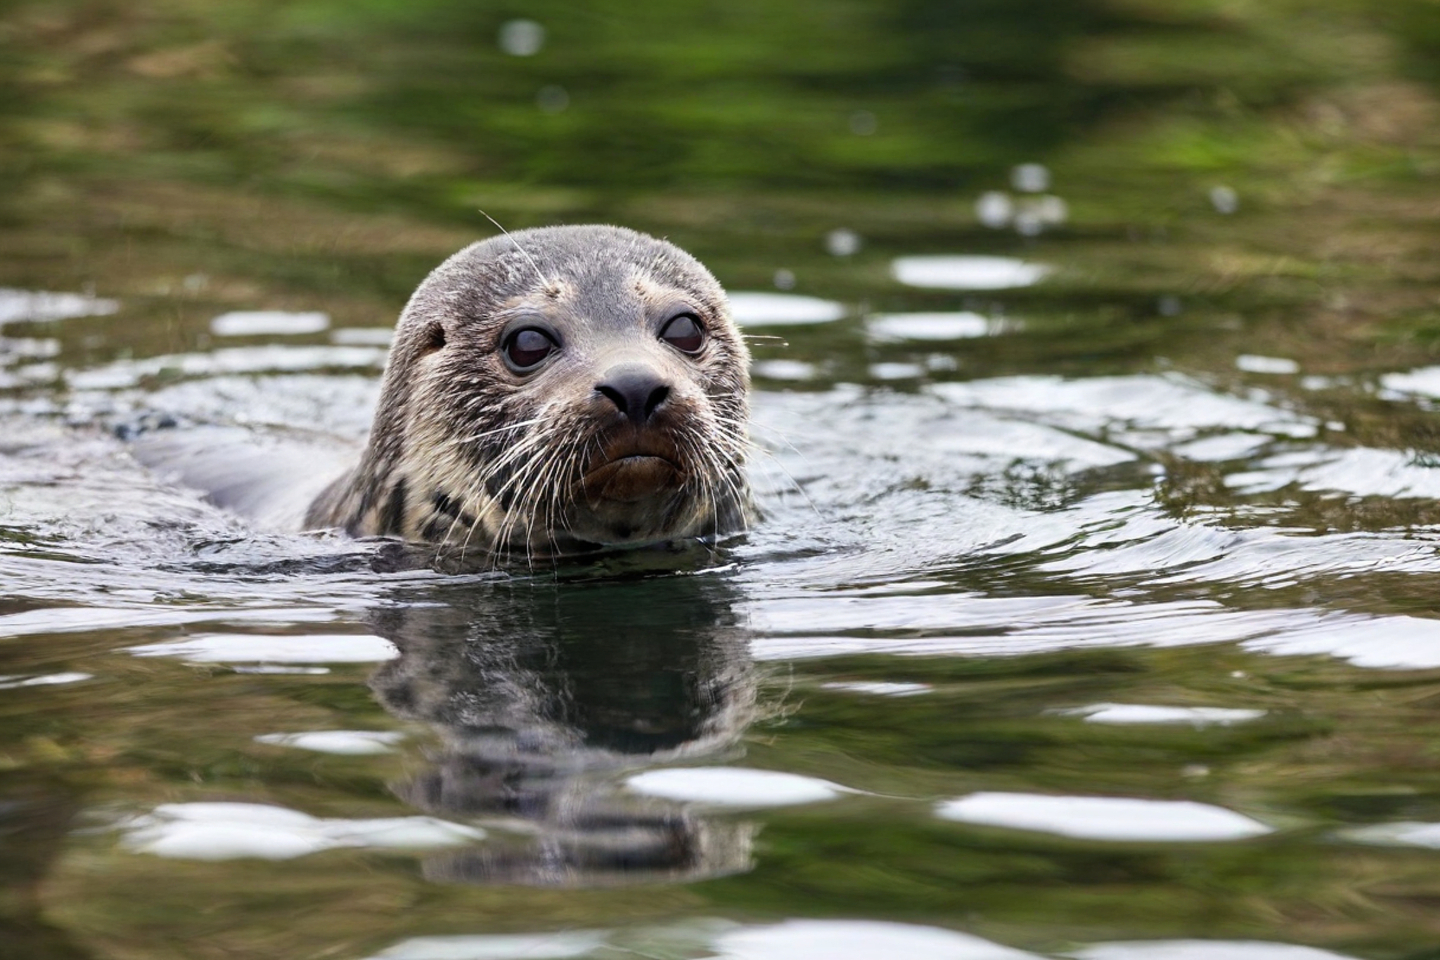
pixel 473 459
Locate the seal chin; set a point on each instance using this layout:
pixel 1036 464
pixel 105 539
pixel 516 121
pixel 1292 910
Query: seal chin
pixel 630 479
pixel 629 499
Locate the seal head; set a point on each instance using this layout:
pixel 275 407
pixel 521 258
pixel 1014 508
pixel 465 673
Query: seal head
pixel 554 391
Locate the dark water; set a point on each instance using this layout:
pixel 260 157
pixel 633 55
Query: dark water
pixel 1093 613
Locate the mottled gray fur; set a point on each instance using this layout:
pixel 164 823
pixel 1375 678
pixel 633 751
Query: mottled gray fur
pixel 469 455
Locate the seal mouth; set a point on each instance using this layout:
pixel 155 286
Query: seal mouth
pixel 630 478
pixel 633 467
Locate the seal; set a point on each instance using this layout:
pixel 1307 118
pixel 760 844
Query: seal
pixel 556 391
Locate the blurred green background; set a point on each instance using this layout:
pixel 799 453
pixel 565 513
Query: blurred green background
pixel 330 152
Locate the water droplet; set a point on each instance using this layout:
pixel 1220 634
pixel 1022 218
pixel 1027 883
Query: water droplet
pixel 521 38
pixel 1028 223
pixel 842 242
pixel 994 209
pixel 1030 178
pixel 552 99
pixel 1052 210
pixel 863 123
pixel 1224 199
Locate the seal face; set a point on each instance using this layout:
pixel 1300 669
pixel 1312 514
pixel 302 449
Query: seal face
pixel 554 391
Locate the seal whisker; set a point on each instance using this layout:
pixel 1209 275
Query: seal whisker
pixel 525 253
pixel 795 485
pixel 541 467
pixel 476 487
pixel 453 441
pixel 514 486
pixel 562 465
pixel 470 500
pixel 525 481
pixel 708 489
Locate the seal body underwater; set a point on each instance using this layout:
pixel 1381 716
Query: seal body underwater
pixel 555 391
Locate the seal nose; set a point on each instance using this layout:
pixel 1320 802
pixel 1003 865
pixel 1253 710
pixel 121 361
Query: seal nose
pixel 635 389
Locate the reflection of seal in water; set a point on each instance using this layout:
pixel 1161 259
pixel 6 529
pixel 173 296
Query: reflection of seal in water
pixel 543 695
pixel 554 391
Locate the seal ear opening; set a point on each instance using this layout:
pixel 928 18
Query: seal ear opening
pixel 434 338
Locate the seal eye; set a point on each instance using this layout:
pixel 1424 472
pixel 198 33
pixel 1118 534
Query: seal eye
pixel 526 348
pixel 684 333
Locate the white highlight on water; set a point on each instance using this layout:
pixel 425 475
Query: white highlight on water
pixel 1254 363
pixel 260 648
pixel 514 946
pixel 733 787
pixel 957 325
pixel 342 742
pixel 252 323
pixel 1202 950
pixel 1103 818
pixel 956 272
pixel 797 370
pixel 857 940
pixel 1127 713
pixel 229 831
pixel 42 305
pixel 44 680
pixel 879 688
pixel 764 309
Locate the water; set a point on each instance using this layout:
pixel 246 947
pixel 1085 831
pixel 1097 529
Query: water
pixel 1092 613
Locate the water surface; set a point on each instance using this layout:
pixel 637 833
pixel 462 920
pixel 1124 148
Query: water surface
pixel 1092 613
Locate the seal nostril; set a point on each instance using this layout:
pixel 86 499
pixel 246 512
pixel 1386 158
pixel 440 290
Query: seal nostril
pixel 636 390
pixel 614 396
pixel 657 397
